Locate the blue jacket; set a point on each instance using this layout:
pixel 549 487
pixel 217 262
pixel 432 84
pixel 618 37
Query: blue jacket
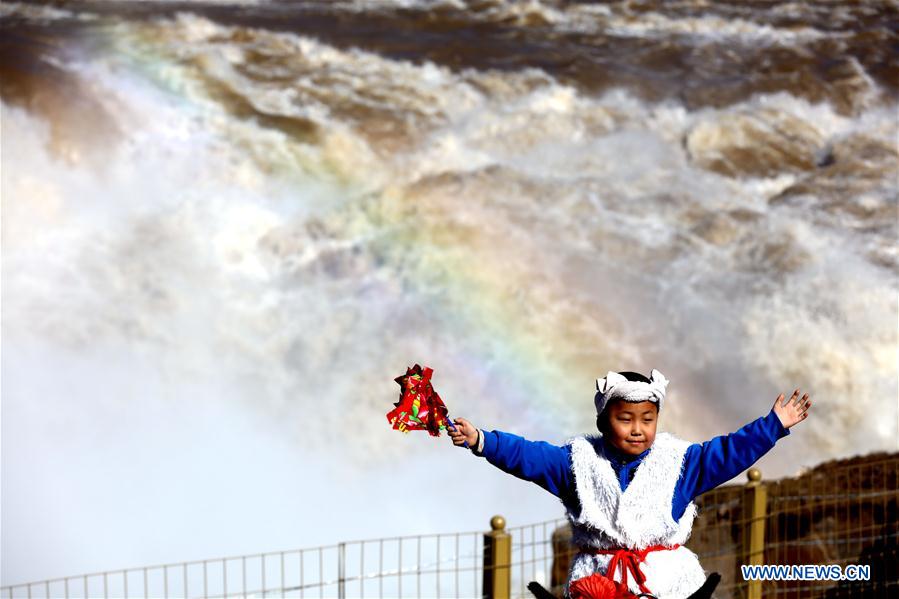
pixel 706 465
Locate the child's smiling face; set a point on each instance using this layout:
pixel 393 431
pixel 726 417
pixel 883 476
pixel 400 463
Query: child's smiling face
pixel 631 425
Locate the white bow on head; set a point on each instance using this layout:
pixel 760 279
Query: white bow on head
pixel 616 386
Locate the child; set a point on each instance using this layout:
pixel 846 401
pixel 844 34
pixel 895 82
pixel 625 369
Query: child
pixel 628 492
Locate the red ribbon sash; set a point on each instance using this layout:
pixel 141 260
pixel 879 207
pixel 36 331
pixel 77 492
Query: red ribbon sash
pixel 629 560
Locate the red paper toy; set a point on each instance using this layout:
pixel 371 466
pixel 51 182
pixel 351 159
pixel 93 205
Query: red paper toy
pixel 597 586
pixel 419 407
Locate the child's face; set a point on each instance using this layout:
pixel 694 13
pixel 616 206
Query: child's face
pixel 632 425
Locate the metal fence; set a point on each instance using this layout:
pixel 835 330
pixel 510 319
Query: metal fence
pixel 438 566
pixel 842 512
pixel 533 556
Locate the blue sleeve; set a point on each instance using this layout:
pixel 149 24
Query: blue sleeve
pixel 535 461
pixel 718 460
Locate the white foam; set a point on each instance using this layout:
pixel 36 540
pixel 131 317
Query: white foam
pixel 198 2
pixel 160 279
pixel 708 27
pixel 615 20
pixel 373 5
pixel 40 13
pixel 824 329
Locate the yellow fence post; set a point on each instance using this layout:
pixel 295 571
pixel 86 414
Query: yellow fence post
pixel 497 560
pixel 755 512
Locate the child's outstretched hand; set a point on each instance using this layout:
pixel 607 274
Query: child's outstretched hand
pixel 465 431
pixel 795 410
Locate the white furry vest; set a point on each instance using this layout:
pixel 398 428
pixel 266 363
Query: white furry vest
pixel 635 519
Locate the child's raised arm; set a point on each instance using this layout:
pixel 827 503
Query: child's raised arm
pixel 718 460
pixel 536 461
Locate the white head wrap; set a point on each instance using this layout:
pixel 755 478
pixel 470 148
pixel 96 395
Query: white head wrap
pixel 616 386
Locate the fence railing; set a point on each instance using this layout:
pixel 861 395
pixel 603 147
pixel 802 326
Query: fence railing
pixel 841 513
pixel 460 565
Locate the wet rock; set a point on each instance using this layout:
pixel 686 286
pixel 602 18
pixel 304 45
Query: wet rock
pixel 773 256
pixel 857 183
pixel 716 229
pixel 745 215
pixel 763 143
